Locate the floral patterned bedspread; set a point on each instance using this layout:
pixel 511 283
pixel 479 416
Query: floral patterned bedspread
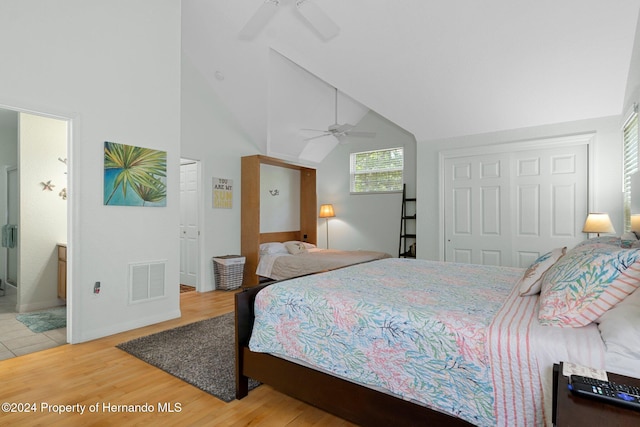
pixel 411 327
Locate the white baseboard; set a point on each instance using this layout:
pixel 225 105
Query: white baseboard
pixel 41 305
pixel 127 326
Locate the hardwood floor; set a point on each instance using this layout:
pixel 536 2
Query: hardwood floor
pixel 96 373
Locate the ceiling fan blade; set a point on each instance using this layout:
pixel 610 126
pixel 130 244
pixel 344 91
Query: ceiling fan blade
pixel 318 19
pixel 314 130
pixel 361 134
pixel 317 136
pixel 259 19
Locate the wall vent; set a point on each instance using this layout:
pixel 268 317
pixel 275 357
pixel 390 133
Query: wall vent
pixel 146 281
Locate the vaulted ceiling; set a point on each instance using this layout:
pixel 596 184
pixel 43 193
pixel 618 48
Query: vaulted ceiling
pixel 436 68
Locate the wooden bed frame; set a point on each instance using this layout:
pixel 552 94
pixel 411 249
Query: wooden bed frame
pixel 346 399
pixel 250 235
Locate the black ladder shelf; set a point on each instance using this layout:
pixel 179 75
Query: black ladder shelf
pixel 407 239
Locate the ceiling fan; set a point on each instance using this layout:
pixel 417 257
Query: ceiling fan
pixel 316 17
pixel 338 130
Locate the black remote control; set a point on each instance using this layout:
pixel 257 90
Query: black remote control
pixel 614 393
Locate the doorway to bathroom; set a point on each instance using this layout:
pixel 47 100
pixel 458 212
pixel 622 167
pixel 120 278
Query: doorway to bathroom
pixel 33 154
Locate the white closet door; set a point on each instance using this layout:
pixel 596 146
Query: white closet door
pixel 477 224
pixel 189 224
pixel 509 208
pixel 550 193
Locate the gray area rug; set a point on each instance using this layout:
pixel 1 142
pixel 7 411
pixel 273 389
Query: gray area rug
pixel 44 320
pixel 200 353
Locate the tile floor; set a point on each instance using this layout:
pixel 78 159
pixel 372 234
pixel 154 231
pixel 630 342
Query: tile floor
pixel 16 339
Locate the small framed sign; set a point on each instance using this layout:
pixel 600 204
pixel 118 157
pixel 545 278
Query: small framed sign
pixel 222 193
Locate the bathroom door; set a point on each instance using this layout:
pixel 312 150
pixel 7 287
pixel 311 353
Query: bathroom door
pixel 12 218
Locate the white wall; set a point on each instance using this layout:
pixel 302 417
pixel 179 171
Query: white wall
pixel 207 123
pixel 605 172
pixel 113 67
pixel 43 213
pixel 279 211
pixel 632 93
pixel 212 135
pixel 364 221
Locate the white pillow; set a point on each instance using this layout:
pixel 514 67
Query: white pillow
pixel 620 327
pixel 273 248
pixel 306 245
pixel 295 248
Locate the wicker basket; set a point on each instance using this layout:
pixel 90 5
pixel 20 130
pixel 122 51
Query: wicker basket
pixel 227 271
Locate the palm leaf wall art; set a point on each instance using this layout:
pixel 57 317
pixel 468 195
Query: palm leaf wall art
pixel 134 176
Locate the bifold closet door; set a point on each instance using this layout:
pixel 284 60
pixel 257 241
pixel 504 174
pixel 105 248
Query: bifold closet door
pixel 509 208
pixel 477 220
pixel 550 189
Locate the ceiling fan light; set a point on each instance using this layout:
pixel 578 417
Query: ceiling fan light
pixel 343 128
pixel 319 20
pixel 259 19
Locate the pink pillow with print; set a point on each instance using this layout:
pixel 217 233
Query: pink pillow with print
pixel 587 282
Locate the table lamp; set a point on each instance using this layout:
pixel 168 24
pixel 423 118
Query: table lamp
pixel 598 222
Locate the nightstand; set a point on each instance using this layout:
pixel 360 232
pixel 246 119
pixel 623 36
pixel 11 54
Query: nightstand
pixel 570 410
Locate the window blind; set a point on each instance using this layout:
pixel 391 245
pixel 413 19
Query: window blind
pixel 630 162
pixel 377 171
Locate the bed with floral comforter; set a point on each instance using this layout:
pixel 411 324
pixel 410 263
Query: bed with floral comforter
pixel 460 339
pixel 415 329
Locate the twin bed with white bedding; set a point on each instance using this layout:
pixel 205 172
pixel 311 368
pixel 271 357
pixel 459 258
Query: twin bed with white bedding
pixel 459 343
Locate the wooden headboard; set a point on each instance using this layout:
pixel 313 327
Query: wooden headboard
pixel 281 236
pixel 250 236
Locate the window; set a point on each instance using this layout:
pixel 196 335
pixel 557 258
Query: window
pixel 630 161
pixel 377 171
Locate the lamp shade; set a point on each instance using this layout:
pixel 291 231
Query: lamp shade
pixel 326 211
pixel 598 223
pixel 635 223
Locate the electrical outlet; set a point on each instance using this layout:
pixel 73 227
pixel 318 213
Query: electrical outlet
pixel 96 288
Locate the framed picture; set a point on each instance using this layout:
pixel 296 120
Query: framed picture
pixel 134 176
pixel 222 193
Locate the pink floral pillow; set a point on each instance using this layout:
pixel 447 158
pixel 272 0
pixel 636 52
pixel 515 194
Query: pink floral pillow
pixel 586 282
pixel 531 281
